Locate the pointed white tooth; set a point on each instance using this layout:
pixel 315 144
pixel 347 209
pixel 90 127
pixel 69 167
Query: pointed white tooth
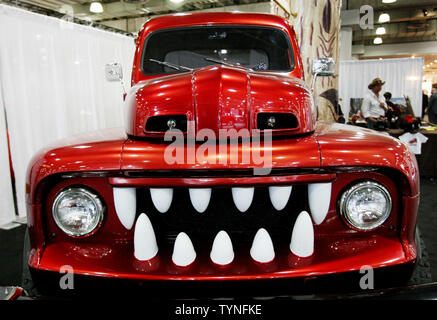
pixel 279 196
pixel 242 198
pixel 302 238
pixel 262 249
pixel 125 202
pixel 145 246
pixel 222 251
pixel 319 198
pixel 200 199
pixel 161 198
pixel 183 251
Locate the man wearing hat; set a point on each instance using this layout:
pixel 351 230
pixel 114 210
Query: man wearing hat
pixel 432 108
pixel 374 106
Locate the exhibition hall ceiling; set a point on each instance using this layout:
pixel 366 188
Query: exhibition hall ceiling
pixel 410 21
pixel 116 10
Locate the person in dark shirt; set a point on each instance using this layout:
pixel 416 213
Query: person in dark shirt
pixel 425 103
pixel 432 109
pixel 394 111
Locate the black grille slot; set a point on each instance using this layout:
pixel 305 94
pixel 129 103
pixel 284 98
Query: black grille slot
pixel 167 122
pixel 223 215
pixel 276 121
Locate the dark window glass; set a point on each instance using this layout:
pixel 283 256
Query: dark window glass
pixel 262 49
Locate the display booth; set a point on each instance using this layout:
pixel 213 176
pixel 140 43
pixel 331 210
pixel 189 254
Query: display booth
pixel 403 78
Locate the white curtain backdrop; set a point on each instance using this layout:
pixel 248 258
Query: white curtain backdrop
pixel 7 212
pixel 53 83
pixel 402 77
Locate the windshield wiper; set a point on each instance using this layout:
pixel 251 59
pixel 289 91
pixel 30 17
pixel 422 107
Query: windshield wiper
pixel 225 63
pixel 171 65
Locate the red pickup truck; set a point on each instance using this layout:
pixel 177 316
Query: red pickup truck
pixel 222 173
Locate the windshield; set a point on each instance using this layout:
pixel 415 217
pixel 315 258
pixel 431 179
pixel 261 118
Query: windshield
pixel 257 48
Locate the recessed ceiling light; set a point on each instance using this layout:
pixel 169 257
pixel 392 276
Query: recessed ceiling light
pixel 96 7
pixel 380 31
pixel 378 40
pixel 384 17
pixel 389 1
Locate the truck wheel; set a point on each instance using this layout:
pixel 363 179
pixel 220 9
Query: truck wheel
pixel 26 277
pixel 422 271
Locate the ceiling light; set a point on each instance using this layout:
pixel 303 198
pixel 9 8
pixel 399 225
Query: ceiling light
pixel 177 1
pixel 378 40
pixel 388 1
pixel 384 17
pixel 96 7
pixel 380 31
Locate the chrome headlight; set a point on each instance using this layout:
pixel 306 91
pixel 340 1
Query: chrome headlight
pixel 77 211
pixel 366 205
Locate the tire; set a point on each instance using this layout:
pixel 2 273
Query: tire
pixel 422 272
pixel 27 282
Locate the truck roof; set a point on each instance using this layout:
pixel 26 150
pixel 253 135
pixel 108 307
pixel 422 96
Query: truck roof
pixel 214 18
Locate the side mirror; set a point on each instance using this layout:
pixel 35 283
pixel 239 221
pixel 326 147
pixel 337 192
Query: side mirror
pixel 324 67
pixel 113 72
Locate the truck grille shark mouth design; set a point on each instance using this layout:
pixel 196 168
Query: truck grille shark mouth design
pixel 301 240
pixel 111 205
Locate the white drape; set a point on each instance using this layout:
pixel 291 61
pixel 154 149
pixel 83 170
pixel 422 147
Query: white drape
pixel 52 76
pixel 402 77
pixel 7 211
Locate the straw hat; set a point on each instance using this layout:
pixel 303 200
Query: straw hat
pixel 376 82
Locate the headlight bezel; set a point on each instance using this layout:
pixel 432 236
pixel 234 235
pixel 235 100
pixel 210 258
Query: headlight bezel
pixel 356 186
pixel 91 194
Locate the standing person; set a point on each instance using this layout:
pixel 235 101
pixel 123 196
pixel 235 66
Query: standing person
pixel 374 106
pixel 432 108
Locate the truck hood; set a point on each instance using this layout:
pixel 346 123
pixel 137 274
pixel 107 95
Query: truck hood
pixel 220 97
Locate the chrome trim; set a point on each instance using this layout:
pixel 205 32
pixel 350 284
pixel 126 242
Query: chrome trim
pixel 93 197
pixel 345 196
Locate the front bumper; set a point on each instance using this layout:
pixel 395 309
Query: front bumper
pixel 117 261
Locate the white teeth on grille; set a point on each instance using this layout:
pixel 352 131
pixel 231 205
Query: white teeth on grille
pixel 183 251
pixel 125 202
pixel 242 198
pixel 200 198
pixel 145 246
pixel 262 249
pixel 302 238
pixel 161 198
pixel 222 252
pixel 319 198
pixel 279 196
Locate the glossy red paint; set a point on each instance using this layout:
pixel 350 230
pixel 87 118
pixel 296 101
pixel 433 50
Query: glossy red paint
pixel 218 97
pixel 343 145
pixel 221 97
pixel 115 260
pixel 286 153
pixel 214 19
